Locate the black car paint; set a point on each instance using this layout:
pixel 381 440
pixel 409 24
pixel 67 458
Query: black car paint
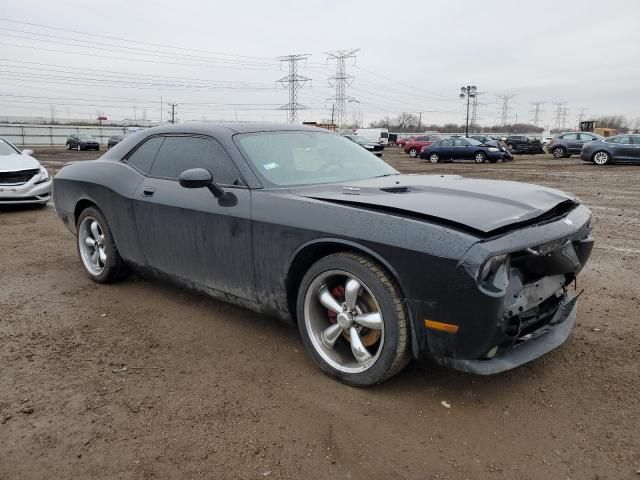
pixel 262 243
pixel 449 153
pixel 522 144
pixel 73 141
pixel 618 152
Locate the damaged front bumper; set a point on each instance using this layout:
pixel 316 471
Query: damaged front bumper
pixel 509 300
pixel 537 343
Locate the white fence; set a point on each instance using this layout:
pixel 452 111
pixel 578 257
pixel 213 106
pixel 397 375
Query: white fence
pixel 55 134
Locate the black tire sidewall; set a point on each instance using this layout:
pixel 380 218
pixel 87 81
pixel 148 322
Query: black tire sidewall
pixel 558 149
pixel 384 297
pixel 114 266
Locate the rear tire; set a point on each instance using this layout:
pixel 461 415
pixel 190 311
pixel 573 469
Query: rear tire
pixel 558 152
pixel 327 335
pixel 413 153
pixel 105 266
pixel 601 158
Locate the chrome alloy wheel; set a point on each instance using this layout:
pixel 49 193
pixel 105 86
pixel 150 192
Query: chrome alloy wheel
pixel 480 157
pixel 601 158
pixel 91 243
pixel 344 321
pixel 434 158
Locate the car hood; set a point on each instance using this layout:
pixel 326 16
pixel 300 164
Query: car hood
pixel 483 206
pixel 17 162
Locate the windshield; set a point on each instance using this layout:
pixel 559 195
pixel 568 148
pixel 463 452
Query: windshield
pixel 86 137
pixel 6 148
pixel 301 158
pixel 473 141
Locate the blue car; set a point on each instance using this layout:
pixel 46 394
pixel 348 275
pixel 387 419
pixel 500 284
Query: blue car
pixel 456 148
pixel 618 149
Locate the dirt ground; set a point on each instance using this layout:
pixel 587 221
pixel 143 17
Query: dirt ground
pixel 214 391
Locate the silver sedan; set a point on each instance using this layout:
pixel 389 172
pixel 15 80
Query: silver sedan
pixel 22 178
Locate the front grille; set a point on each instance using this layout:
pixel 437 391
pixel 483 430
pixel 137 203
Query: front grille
pixel 17 178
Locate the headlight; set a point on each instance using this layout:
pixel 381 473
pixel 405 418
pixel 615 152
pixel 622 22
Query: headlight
pixel 42 175
pixel 493 279
pixel 493 149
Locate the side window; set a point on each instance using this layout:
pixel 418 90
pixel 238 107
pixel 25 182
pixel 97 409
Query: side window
pixel 179 153
pixel 570 136
pixel 586 137
pixel 142 158
pixel 623 140
pixel 447 142
pixel 458 142
pixel 636 140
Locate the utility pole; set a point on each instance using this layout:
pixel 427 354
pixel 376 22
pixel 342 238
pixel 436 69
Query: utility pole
pixel 419 121
pixel 333 109
pixel 564 117
pixel 161 109
pixel 504 111
pixel 172 112
pixel 293 82
pixel 340 81
pixel 536 112
pixel 468 92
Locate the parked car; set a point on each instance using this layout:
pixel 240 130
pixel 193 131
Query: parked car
pixel 401 142
pixel 375 267
pixel 22 178
pixel 618 149
pixel 414 145
pixel 374 135
pixel 374 148
pixel 523 144
pixel 457 148
pixel 114 140
pixel 570 143
pixel 494 142
pixel 82 142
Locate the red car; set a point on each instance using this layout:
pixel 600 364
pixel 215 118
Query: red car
pixel 414 145
pixel 402 141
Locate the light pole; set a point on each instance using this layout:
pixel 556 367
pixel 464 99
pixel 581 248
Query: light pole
pixel 468 92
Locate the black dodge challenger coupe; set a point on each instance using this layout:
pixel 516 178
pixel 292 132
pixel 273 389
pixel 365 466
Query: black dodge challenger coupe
pixel 375 267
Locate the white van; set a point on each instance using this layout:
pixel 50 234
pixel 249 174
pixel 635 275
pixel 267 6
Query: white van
pixel 374 135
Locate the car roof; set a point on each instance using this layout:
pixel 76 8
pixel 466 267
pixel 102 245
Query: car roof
pixel 230 128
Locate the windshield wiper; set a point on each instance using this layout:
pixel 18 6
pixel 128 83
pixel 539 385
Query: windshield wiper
pixel 386 175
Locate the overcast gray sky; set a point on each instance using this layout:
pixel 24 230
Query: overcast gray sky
pixel 413 57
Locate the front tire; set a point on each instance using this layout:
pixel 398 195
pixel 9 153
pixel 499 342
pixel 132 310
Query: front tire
pixel 96 248
pixel 352 320
pixel 480 157
pixel 413 153
pixel 434 158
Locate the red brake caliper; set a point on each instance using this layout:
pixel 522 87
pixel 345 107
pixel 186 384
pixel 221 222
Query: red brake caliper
pixel 338 294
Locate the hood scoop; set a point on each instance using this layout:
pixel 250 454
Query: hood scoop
pixel 396 189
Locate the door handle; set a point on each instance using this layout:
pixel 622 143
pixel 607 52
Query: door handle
pixel 148 191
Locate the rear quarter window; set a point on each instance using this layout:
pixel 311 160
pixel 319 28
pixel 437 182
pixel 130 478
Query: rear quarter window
pixel 143 156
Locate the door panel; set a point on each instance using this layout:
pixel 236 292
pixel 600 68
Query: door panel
pixel 193 235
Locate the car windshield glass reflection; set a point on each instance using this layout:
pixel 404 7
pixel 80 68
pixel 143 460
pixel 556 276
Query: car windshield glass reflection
pixel 6 149
pixel 299 158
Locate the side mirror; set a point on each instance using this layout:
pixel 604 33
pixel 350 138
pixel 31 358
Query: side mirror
pixel 199 178
pixel 27 152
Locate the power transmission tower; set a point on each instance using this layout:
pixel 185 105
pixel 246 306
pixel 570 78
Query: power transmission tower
pixel 536 112
pixel 504 111
pixel 474 107
pixel 340 81
pixel 581 116
pixel 293 82
pixel 564 117
pixel 172 112
pixel 560 113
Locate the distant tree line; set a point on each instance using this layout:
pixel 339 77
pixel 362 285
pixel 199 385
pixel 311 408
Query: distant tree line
pixel 410 123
